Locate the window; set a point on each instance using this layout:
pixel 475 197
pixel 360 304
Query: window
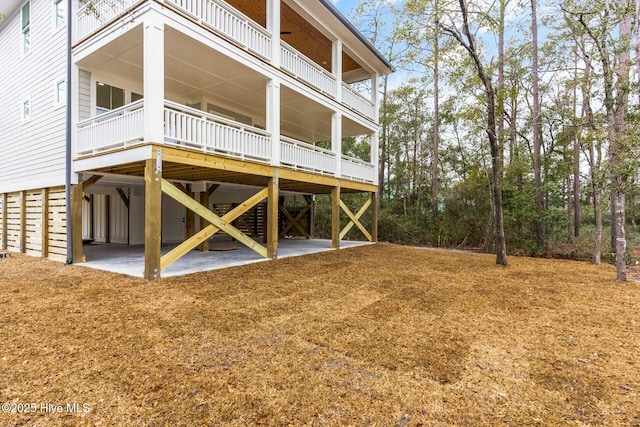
pixel 135 97
pixel 108 98
pixel 26 110
pixel 26 27
pixel 58 13
pixel 60 92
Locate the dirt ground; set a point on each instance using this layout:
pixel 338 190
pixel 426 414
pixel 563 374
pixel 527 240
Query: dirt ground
pixel 379 335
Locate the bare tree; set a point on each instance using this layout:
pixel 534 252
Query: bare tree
pixel 536 124
pixel 467 40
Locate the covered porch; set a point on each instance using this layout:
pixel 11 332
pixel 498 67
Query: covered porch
pixel 190 179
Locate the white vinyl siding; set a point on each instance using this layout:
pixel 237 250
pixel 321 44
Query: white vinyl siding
pixel 33 153
pixel 119 221
pixel 84 92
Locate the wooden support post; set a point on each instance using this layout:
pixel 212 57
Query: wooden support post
pixel 91 214
pixel 23 222
pixel 44 242
pixel 5 216
pixel 374 217
pixel 204 201
pixel 107 223
pixel 152 219
pixel 311 200
pixel 272 218
pixel 190 216
pixel 335 217
pixel 76 223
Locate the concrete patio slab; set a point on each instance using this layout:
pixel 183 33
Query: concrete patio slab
pixel 129 260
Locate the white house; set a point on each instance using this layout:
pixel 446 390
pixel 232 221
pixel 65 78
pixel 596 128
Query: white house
pixel 123 121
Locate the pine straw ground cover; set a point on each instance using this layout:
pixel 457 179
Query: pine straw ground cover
pixel 379 335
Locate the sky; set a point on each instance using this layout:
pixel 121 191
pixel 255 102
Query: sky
pixel 345 6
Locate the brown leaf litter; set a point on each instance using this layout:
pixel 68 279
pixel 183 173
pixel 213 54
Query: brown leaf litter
pixel 379 335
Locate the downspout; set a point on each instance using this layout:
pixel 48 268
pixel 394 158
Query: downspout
pixel 68 170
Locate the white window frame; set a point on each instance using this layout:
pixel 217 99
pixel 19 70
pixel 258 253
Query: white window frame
pixel 25 118
pixel 57 25
pixel 59 102
pixel 25 32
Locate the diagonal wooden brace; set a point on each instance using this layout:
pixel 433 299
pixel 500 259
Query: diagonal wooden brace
pixel 294 222
pixel 355 219
pixel 217 223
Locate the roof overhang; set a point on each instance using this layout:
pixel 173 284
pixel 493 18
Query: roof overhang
pixel 337 27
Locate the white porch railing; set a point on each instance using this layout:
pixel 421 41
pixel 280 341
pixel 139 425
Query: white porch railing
pixel 357 101
pixel 117 128
pixel 357 170
pixel 300 155
pixel 207 132
pixel 191 128
pixel 97 13
pixel 229 22
pixel 305 69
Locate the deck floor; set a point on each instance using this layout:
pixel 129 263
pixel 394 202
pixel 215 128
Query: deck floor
pixel 129 260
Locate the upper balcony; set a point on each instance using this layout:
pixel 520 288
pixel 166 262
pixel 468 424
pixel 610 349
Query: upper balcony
pixel 193 129
pixel 298 49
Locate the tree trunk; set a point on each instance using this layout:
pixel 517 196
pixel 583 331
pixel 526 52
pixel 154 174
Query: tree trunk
pixel 383 145
pixel 467 40
pixel 597 210
pixel 536 125
pixel 436 120
pixel 616 155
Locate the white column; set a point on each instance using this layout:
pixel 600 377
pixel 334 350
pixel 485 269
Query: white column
pixel 336 141
pixel 272 124
pixel 153 75
pixel 375 149
pixel 75 113
pixel 336 67
pixel 273 26
pixel 375 97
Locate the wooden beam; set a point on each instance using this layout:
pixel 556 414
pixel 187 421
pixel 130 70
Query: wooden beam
pixel 171 191
pixel 89 182
pixel 124 197
pixel 335 217
pixel 208 231
pixel 355 219
pixel 374 216
pixel 357 186
pixel 76 223
pixel 212 189
pixel 213 162
pixel 5 217
pixel 23 222
pixel 272 218
pixel 44 213
pixel 152 219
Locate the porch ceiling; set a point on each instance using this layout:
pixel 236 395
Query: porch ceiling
pixel 297 32
pixel 192 71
